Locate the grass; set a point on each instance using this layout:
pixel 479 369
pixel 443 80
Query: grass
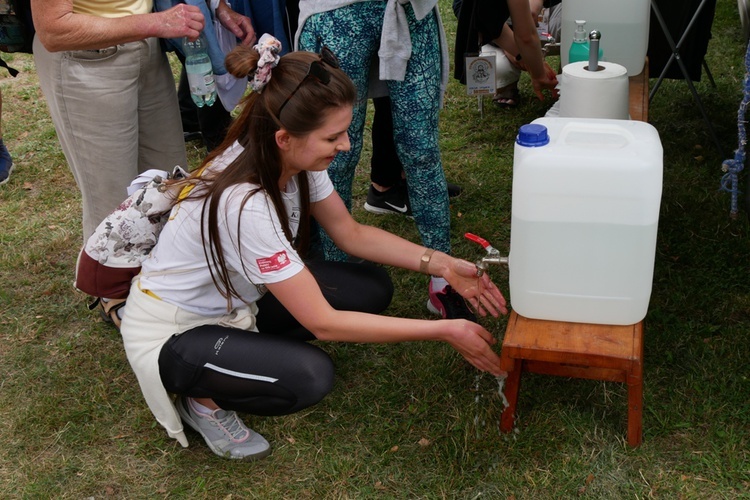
pixel 408 420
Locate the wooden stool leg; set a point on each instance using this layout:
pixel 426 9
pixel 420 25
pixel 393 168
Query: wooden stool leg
pixel 512 385
pixel 635 406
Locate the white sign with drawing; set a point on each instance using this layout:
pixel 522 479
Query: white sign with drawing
pixel 480 75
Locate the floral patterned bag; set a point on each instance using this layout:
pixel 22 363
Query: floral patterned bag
pixel 113 255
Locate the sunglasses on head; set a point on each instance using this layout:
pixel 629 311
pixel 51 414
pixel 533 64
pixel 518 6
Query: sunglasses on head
pixel 316 71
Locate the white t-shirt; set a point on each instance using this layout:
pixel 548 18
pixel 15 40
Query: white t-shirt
pixel 177 271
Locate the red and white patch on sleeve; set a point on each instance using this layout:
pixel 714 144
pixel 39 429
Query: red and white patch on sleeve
pixel 273 263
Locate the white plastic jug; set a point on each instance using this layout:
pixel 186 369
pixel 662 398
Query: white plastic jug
pixel 623 24
pixel 584 216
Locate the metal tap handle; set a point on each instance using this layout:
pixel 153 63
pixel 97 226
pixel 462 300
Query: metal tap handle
pixel 493 255
pixel 485 244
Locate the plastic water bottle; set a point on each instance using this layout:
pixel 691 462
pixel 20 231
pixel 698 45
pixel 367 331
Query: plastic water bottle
pixel 199 72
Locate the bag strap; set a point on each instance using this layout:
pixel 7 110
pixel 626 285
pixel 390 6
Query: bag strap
pixel 13 72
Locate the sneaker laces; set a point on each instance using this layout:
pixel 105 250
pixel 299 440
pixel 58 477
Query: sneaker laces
pixel 229 422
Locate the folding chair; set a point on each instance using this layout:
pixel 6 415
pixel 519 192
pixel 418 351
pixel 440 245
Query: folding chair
pixel 676 57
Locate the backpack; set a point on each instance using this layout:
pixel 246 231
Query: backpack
pixel 16 26
pixel 113 254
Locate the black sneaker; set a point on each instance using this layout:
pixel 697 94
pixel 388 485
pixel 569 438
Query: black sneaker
pixel 449 304
pixel 454 190
pixel 393 201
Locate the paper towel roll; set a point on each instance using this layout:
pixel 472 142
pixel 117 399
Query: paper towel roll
pixel 594 94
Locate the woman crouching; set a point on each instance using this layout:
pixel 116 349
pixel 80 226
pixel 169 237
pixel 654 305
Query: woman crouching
pixel 199 322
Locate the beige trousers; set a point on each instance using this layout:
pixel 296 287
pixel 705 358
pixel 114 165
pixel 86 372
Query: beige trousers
pixel 116 115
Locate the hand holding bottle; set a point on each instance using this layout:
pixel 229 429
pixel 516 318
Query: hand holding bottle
pixel 182 20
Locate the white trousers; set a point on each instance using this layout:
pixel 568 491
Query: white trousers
pixel 116 115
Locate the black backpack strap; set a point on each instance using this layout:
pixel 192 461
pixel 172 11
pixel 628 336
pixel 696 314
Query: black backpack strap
pixel 13 72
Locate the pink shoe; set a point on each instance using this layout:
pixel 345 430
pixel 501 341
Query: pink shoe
pixel 449 304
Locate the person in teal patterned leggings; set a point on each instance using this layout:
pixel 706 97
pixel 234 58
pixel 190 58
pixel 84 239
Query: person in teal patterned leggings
pixel 353 32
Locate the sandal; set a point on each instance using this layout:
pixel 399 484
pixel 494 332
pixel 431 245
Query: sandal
pixel 503 99
pixel 108 309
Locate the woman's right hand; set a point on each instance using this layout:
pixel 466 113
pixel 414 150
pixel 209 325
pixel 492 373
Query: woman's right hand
pixel 474 343
pixel 480 291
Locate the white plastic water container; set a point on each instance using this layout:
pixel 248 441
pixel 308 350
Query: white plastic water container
pixel 586 195
pixel 623 24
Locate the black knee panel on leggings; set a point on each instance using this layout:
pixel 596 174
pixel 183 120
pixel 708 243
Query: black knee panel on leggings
pixel 350 286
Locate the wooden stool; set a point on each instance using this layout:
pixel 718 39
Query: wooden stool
pixel 580 350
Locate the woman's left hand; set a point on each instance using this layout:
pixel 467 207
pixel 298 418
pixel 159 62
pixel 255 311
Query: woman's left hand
pixel 480 291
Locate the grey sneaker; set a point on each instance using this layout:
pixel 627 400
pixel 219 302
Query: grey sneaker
pixel 224 432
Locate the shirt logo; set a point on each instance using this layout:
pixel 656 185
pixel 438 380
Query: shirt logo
pixel 273 263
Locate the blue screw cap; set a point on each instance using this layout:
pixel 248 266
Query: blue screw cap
pixel 532 135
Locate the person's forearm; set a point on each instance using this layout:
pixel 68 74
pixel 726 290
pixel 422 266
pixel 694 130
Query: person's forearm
pixel 507 41
pixel 380 246
pixel 374 244
pixel 531 55
pixel 468 338
pixel 527 38
pixel 348 326
pixel 59 28
pixel 301 296
pixel 81 32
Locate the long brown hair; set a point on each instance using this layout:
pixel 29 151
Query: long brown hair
pixel 260 162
